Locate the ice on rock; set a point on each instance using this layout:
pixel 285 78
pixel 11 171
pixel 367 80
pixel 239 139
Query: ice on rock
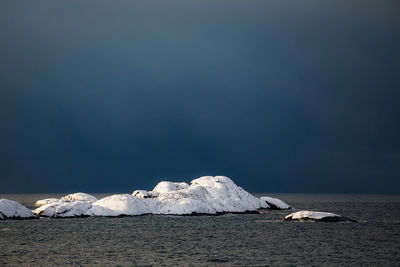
pixel 275 203
pixel 10 209
pixel 305 215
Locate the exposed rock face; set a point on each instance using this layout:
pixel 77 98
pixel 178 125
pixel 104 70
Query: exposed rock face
pixel 10 209
pixel 275 203
pixel 205 195
pixel 305 215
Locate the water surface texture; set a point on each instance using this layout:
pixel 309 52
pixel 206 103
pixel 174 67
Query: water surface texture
pixel 231 239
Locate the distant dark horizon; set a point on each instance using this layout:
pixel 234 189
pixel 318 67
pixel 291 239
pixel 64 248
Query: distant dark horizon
pixel 280 96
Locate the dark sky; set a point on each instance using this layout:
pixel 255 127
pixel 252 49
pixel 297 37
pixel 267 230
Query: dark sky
pixel 281 96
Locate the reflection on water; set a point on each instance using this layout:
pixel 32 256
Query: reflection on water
pixel 248 239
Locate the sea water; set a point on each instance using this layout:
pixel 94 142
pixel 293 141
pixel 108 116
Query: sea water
pixel 230 239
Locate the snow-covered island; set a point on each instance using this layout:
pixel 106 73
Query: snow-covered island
pixel 10 209
pixel 205 195
pixel 305 215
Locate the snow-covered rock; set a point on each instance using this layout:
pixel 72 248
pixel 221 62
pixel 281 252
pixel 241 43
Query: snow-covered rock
pixel 71 205
pixel 185 201
pixel 62 208
pixel 305 215
pixel 275 203
pixel 223 195
pixel 117 205
pixel 10 209
pixel 205 195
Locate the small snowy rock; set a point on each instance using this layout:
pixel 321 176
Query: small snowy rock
pixel 10 209
pixel 305 215
pixel 275 203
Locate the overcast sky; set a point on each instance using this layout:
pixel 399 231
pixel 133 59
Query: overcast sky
pixel 281 96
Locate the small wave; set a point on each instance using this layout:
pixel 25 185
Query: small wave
pixel 218 260
pixel 268 221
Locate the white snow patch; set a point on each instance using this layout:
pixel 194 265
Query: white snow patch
pixel 166 187
pixel 117 205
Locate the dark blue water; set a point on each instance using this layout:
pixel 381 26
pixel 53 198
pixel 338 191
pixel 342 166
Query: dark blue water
pixel 231 239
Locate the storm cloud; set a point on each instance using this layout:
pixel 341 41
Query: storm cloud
pixel 281 96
